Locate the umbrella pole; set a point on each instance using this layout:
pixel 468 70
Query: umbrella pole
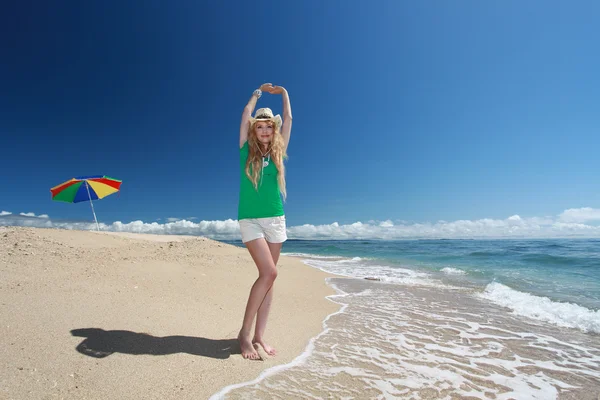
pixel 92 204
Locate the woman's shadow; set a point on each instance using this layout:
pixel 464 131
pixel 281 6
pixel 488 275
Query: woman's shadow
pixel 100 343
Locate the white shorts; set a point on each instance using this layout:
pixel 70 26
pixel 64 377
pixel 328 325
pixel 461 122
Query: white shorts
pixel 272 229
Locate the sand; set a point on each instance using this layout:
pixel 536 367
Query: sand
pixel 98 315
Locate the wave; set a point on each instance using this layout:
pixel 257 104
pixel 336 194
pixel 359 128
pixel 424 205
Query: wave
pixel 553 246
pixel 484 253
pixel 567 315
pixel 453 271
pixel 307 255
pixel 548 259
pixel 363 268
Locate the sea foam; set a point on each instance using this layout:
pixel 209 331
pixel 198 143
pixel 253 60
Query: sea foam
pixel 542 308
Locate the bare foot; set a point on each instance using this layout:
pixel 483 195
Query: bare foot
pixel 248 350
pixel 268 349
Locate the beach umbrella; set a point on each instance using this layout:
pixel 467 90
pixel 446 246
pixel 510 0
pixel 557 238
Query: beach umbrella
pixel 86 188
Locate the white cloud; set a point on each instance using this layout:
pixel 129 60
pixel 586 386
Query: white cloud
pixel 173 219
pixel 585 214
pixel 570 223
pixel 228 229
pixel 221 230
pixel 29 214
pixel 514 226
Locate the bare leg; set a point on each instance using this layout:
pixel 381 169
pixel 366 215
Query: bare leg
pixel 267 272
pixel 265 307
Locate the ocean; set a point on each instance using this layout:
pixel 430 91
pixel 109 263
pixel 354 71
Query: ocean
pixel 448 319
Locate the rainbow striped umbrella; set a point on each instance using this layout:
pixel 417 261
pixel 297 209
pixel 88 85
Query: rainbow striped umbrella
pixel 86 188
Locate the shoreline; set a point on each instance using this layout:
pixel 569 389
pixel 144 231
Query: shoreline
pixel 308 351
pixel 110 315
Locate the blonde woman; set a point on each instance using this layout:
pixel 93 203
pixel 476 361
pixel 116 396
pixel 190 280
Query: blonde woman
pixel 263 144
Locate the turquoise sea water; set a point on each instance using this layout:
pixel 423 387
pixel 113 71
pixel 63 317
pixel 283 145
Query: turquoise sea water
pixel 448 319
pixel 563 270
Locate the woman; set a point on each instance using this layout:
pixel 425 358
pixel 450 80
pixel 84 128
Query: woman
pixel 263 144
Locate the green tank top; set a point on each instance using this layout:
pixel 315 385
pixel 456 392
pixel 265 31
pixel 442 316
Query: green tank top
pixel 264 202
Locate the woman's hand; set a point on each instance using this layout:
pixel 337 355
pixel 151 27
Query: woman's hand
pixel 266 87
pixel 269 88
pixel 277 90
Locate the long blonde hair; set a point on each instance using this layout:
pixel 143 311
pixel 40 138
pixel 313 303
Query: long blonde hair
pixel 277 151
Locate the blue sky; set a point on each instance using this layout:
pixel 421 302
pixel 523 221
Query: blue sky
pixel 403 111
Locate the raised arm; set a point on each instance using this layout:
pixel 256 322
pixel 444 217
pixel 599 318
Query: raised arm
pixel 286 128
pixel 247 113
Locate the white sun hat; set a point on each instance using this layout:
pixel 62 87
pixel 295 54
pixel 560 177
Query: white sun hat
pixel 265 114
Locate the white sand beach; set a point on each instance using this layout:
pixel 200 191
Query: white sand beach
pixel 96 315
